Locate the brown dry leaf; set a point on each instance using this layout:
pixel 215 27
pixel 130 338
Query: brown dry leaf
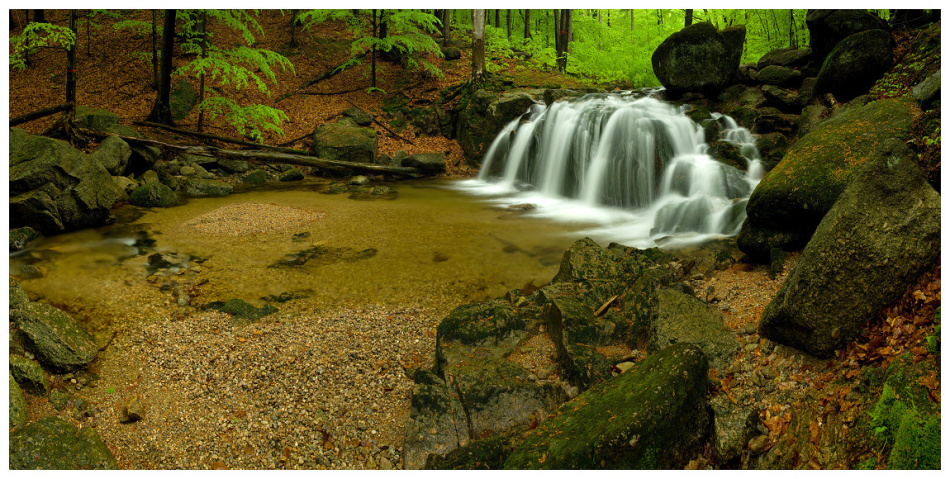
pixel 814 464
pixel 815 430
pixel 920 295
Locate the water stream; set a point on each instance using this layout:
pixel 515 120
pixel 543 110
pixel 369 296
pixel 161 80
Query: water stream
pixel 635 166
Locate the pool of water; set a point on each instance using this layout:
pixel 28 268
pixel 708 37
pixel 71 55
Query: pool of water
pixel 430 245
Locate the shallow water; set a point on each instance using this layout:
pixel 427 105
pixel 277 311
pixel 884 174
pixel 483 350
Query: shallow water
pixel 434 247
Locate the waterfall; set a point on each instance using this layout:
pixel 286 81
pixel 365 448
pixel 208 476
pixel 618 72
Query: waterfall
pixel 636 168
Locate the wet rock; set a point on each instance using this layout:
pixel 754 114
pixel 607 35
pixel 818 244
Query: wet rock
pixel 20 237
pixel 234 166
pixel 293 174
pixel 437 422
pixel 927 92
pixel 195 187
pixel 133 409
pixel 17 404
pixel 153 194
pixel 29 375
pixel 733 425
pixel 429 163
pixel 483 454
pixel 359 180
pixel 242 311
pixel 653 417
pixel 53 443
pixel 54 337
pixel 168 260
pixel 256 177
pixel 18 297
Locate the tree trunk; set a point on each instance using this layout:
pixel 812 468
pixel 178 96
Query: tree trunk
pixel 161 111
pixel 39 16
pixel 497 18
pixel 154 50
pixel 293 27
pixel 478 45
pixel 792 41
pixel 527 24
pixel 446 27
pixel 373 67
pixel 71 67
pixel 508 18
pixel 203 41
pixel 563 38
pixel 689 17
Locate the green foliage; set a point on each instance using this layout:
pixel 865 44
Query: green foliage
pixel 913 437
pixel 237 66
pixel 409 34
pixel 933 339
pixel 250 120
pixel 38 35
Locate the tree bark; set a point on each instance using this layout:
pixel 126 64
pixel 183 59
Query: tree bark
pixel 689 17
pixel 203 40
pixel 527 24
pixel 446 27
pixel 373 67
pixel 508 18
pixel 38 114
pixel 161 111
pixel 478 45
pixel 293 27
pixel 563 38
pixel 71 65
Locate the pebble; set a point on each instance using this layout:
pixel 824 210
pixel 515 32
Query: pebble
pixel 758 444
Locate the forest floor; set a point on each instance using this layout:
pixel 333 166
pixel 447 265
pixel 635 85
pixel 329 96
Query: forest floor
pixel 113 75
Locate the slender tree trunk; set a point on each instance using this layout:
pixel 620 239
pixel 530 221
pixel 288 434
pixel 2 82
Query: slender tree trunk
pixel 508 21
pixel 203 41
pixel 71 66
pixel 154 50
pixel 527 24
pixel 373 68
pixel 689 17
pixel 446 27
pixel 161 111
pixel 792 41
pixel 564 38
pixel 478 45
pixel 39 16
pixel 497 18
pixel 293 27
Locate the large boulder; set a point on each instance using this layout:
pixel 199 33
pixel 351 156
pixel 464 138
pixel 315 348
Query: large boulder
pixel 197 187
pixel 113 154
pixel 486 114
pixel 828 27
pixel 790 201
pixel 54 444
pixel 430 163
pixel 786 57
pixel 437 423
pixel 56 188
pixel 654 416
pixel 105 121
pixel 336 141
pixel 699 58
pixel 153 194
pixel 880 235
pixel 855 64
pixel 54 337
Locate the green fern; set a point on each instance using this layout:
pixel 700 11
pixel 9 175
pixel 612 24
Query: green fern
pixel 250 121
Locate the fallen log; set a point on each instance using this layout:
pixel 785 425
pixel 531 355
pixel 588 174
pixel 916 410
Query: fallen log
pixel 33 115
pixel 221 138
pixel 272 157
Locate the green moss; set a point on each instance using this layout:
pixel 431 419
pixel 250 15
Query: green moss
pixel 480 323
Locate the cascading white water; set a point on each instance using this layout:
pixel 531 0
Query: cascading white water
pixel 637 167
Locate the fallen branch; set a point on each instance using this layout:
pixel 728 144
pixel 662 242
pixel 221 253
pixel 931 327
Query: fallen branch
pixel 331 93
pixel 319 78
pixel 220 138
pixel 39 114
pixel 382 125
pixel 270 157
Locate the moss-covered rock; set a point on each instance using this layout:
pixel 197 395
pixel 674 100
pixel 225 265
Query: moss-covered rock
pixel 796 194
pixel 256 177
pixel 483 454
pixel 485 323
pixel 699 58
pixel 20 237
pixel 336 141
pixel 29 375
pixel 881 234
pixel 437 422
pixel 293 174
pixel 17 404
pixel 683 318
pixel 53 443
pixel 54 337
pixel 18 297
pixel 197 187
pixel 654 416
pixel 855 64
pixel 153 194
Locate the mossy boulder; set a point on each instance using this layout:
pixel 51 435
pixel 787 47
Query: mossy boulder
pixel 796 194
pixel 429 163
pixel 54 337
pixel 113 154
pixel 29 375
pixel 437 422
pixel 654 416
pixel 54 444
pixel 486 323
pixel 98 119
pixel 880 235
pixel 55 187
pixel 828 27
pixel 699 58
pixel 335 141
pixel 18 297
pixel 256 177
pixel 153 194
pixel 293 174
pixel 197 187
pixel 855 64
pixel 485 114
pixel 20 237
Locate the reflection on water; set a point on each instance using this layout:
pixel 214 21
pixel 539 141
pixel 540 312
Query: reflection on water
pixel 432 246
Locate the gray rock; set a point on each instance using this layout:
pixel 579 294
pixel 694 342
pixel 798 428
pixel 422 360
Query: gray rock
pixel 927 92
pixel 113 154
pixel 699 58
pixel 195 187
pixel 684 318
pixel 880 235
pixel 340 142
pixel 53 443
pixel 786 57
pixel 293 174
pixel 17 406
pixel 431 163
pixel 29 375
pixel 437 423
pixel 255 177
pixel 153 194
pixel 54 337
pixel 234 166
pixel 97 119
pixel 734 426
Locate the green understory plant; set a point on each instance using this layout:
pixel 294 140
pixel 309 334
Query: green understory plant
pixel 38 35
